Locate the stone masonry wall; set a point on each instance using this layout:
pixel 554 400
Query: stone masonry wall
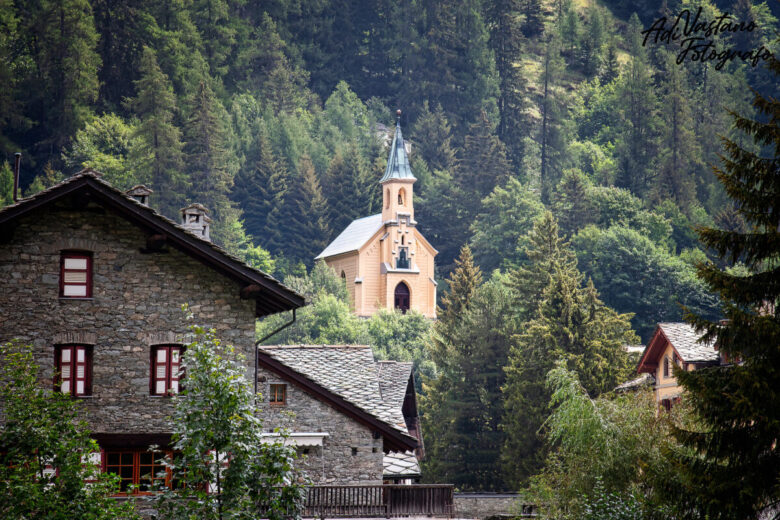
pixel 136 304
pixel 336 461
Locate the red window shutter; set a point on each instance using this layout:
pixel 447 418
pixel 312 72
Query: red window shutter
pixel 74 366
pixel 166 362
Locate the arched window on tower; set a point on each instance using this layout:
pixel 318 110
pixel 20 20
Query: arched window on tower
pixel 402 297
pixel 401 194
pixel 387 198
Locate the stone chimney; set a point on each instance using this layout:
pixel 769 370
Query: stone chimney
pixel 140 193
pixel 195 219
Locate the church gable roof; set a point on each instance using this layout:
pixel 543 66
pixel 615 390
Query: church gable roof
pixel 354 236
pixel 398 161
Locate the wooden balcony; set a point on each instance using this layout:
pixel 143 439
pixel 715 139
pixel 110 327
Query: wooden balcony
pixel 385 501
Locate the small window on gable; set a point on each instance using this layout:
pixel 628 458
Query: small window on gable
pixel 75 275
pixel 277 394
pixel 165 369
pixel 666 366
pixel 73 369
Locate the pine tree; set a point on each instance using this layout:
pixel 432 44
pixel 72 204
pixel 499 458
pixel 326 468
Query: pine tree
pixel 60 39
pixel 261 189
pixel 553 133
pixel 307 231
pixel 483 165
pixel 680 151
pixel 593 40
pixel 349 189
pixel 735 467
pixel 157 151
pixel 611 68
pixel 217 27
pixel 211 163
pixel 533 24
pixel 507 41
pixel 637 148
pixel 433 139
pixel 571 204
pixel 570 323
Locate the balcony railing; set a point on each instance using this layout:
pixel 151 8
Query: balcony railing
pixel 389 500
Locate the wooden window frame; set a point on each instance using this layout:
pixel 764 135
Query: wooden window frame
pixel 273 394
pixel 171 370
pixel 73 366
pixel 666 366
pixel 77 255
pixel 137 479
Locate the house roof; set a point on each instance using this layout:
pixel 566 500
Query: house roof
pixel 346 377
pixel 354 236
pixel 685 341
pixel 393 381
pixel 400 465
pixel 270 295
pixel 398 161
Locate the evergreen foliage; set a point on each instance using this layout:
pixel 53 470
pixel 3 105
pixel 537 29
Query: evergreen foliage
pixel 732 470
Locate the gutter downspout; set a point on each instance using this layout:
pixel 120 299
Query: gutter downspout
pixel 257 344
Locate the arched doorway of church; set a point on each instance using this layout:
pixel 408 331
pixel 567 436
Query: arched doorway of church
pixel 402 297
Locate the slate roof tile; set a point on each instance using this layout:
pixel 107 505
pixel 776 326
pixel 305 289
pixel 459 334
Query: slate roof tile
pixel 686 341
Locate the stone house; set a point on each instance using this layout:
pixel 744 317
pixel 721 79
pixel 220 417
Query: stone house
pixel 94 279
pixel 674 344
pixel 383 259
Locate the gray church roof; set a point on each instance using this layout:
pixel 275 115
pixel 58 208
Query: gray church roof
pixel 686 341
pixel 353 237
pixel 398 161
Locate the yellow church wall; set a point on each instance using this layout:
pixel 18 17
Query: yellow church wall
pixel 347 264
pixel 370 256
pixel 390 191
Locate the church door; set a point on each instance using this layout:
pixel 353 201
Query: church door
pixel 402 297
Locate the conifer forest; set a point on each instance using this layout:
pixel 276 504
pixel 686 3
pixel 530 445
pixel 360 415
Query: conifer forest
pixel 568 154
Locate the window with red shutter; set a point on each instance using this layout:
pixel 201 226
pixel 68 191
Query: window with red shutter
pixel 76 275
pixel 166 363
pixel 74 369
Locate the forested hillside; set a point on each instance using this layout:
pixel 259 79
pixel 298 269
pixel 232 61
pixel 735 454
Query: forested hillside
pixel 558 158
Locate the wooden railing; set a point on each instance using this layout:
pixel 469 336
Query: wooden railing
pixel 389 500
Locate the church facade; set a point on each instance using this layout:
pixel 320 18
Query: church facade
pixel 384 259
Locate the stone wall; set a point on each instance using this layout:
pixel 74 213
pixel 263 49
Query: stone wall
pixel 486 505
pixel 136 304
pixel 349 455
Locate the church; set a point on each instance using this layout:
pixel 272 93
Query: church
pixel 384 259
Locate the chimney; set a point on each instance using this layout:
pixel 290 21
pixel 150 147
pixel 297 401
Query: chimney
pixel 195 219
pixel 140 193
pixel 17 161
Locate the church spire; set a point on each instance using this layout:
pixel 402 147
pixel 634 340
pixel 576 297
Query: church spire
pixel 398 161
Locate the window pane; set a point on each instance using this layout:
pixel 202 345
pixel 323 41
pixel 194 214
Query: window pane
pixel 160 387
pixel 174 386
pixel 174 355
pixel 146 458
pixel 161 355
pixel 112 459
pixel 160 372
pixel 74 290
pixel 75 277
pixel 80 371
pixel 80 387
pixel 80 354
pixel 127 459
pixel 76 263
pixel 65 355
pixel 65 373
pixel 65 387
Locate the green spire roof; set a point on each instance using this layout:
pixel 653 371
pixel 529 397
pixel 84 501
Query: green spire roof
pixel 398 162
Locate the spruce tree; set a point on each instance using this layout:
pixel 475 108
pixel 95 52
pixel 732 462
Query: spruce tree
pixel 157 149
pixel 261 189
pixel 483 165
pixel 211 162
pixel 611 67
pixel 734 466
pixel 553 134
pixel 570 323
pixel 349 188
pixel 571 204
pixel 433 139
